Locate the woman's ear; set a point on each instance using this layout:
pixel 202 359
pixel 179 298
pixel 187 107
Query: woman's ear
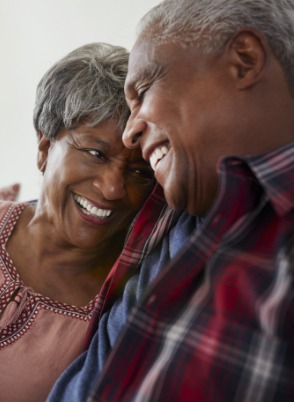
pixel 247 52
pixel 43 147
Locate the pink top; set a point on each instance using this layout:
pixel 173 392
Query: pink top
pixel 39 337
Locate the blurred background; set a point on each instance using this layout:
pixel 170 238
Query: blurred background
pixel 34 34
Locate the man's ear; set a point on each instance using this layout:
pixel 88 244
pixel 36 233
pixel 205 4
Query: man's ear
pixel 247 51
pixel 43 147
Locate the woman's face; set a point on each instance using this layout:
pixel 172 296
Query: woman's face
pixel 93 186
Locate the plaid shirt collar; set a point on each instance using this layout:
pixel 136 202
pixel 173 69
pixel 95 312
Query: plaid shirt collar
pixel 270 170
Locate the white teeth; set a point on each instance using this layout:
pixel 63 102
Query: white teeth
pixel 93 211
pixel 90 209
pixel 157 155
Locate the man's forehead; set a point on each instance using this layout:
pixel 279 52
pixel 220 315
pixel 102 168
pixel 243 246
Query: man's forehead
pixel 141 63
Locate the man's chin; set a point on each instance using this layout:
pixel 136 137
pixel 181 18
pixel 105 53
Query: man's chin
pixel 175 201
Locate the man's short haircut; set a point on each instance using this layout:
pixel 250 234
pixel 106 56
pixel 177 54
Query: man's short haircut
pixel 209 24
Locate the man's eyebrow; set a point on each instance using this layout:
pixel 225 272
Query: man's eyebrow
pixel 130 83
pixel 149 75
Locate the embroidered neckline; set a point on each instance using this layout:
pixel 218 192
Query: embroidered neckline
pixel 12 278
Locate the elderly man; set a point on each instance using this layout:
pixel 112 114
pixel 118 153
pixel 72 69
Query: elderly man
pixel 211 92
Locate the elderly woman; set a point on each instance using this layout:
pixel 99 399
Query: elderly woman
pixel 56 253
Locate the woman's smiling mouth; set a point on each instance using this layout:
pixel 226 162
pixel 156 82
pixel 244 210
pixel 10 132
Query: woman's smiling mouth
pixel 90 209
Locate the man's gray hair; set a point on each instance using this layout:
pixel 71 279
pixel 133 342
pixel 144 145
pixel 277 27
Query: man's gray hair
pixel 84 87
pixel 209 24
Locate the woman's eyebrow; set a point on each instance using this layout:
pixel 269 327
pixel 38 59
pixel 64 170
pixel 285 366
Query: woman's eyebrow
pixel 95 141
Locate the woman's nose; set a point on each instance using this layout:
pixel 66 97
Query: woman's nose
pixel 112 185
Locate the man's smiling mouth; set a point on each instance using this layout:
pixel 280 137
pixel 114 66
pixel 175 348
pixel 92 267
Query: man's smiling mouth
pixel 90 209
pixel 158 154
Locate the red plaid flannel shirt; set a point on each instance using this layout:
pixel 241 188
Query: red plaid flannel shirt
pixel 218 324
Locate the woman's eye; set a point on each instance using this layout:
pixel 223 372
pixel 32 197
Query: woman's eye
pixel 146 174
pixel 95 153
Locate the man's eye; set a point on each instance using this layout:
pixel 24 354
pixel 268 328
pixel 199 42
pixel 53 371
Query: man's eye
pixel 141 92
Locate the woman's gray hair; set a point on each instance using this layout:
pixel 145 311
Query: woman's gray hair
pixel 84 87
pixel 209 24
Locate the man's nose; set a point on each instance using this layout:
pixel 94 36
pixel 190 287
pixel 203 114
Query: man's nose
pixel 133 131
pixel 112 185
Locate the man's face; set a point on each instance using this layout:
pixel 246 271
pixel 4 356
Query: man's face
pixel 182 109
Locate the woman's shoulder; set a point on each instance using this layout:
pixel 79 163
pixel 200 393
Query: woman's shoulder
pixel 9 206
pixel 5 205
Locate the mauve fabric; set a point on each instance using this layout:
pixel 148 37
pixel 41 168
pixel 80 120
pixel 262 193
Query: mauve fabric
pixel 39 337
